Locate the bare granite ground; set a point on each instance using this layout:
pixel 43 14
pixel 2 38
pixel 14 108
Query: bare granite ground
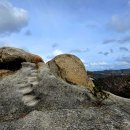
pixel 53 104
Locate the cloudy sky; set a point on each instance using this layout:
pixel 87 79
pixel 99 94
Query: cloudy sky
pixel 97 31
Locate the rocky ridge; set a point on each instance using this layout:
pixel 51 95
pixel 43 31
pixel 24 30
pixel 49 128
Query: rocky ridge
pixel 34 98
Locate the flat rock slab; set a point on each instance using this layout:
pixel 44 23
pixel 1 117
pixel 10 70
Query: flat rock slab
pixel 93 118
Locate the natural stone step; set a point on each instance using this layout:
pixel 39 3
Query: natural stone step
pixel 32 103
pixel 28 98
pixel 34 71
pixel 25 90
pixel 35 83
pixel 34 74
pixel 31 79
pixel 28 64
pixel 22 85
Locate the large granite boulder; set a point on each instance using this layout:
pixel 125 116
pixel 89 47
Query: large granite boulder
pixel 33 98
pixel 71 69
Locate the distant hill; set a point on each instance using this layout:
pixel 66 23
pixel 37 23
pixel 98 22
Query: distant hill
pixel 106 73
pixel 122 71
pixel 114 81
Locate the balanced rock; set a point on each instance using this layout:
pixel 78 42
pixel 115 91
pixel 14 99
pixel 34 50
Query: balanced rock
pixel 71 69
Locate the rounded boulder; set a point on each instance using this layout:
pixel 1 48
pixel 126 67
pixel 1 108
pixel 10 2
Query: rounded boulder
pixel 71 69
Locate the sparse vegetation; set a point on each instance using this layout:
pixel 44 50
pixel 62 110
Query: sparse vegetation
pixel 117 84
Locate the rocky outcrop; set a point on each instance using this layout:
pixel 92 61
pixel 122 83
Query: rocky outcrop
pixel 33 98
pixel 55 104
pixel 30 89
pixel 11 58
pixel 71 69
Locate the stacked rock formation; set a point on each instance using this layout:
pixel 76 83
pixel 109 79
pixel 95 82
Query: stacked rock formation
pixel 36 98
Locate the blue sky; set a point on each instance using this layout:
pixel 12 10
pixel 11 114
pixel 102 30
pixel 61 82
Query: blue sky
pixel 97 31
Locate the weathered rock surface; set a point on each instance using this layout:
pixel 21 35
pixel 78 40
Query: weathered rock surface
pixel 11 58
pixel 60 105
pixel 73 119
pixel 33 98
pixel 71 69
pixel 51 92
pixel 4 72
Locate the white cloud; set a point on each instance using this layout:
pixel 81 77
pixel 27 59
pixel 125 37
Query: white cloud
pixel 54 53
pixel 85 64
pixel 102 63
pixel 57 52
pixel 12 19
pixel 99 65
pixel 120 23
pixel 83 60
pixel 122 63
pixel 124 59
